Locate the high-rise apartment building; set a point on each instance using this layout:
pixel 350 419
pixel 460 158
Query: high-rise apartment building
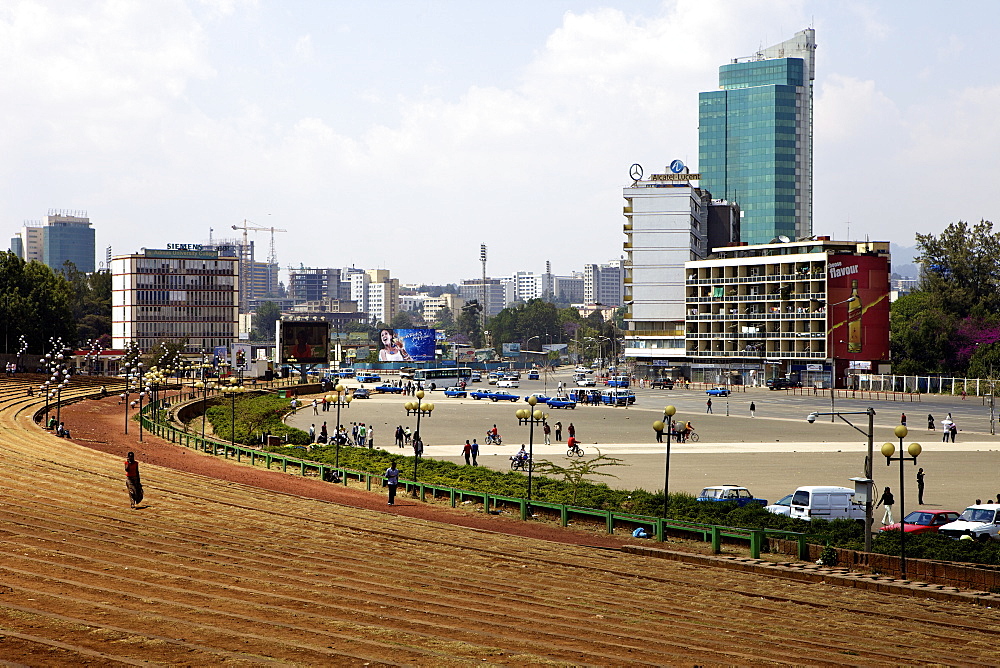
pixel 376 294
pixel 307 284
pixel 29 242
pixel 755 139
pixel 604 283
pixel 489 295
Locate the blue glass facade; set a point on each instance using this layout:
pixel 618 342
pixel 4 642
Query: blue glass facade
pixel 68 241
pixel 749 145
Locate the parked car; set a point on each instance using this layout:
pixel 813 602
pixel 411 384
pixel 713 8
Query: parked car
pixel 782 383
pixel 456 392
pixel 561 402
pixel 781 507
pixel 508 382
pixel 718 392
pixel 586 381
pixel 662 384
pixel 492 378
pixel 825 502
pixel 582 369
pixel 533 375
pixel 739 495
pixel 980 522
pixel 369 378
pixel 389 389
pixel 476 377
pixel 924 521
pixel 361 393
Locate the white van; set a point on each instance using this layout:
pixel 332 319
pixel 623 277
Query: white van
pixel 825 503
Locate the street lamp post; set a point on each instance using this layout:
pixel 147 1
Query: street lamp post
pixel 668 417
pixel 420 409
pixel 870 434
pixel 888 449
pixel 341 401
pixel 531 416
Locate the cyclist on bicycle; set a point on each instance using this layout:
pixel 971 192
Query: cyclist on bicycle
pixel 684 431
pixel 574 445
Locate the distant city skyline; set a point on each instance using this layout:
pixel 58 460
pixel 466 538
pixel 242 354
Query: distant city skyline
pixel 463 124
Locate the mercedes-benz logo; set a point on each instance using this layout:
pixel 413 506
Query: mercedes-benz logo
pixel 635 171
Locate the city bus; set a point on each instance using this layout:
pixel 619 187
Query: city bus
pixel 443 376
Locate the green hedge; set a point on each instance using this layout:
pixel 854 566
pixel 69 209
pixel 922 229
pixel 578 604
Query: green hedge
pixel 848 534
pixel 255 415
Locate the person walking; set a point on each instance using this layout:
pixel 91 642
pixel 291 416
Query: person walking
pixel 371 437
pixel 418 445
pixel 902 419
pixel 399 436
pixel 920 486
pixel 753 409
pixel 953 431
pixel 659 432
pixel 312 433
pixel 930 422
pixel 888 501
pixel 708 406
pixel 547 431
pixel 467 452
pixel 558 431
pixel 571 430
pixel 474 452
pixel 392 479
pixel 945 429
pixel 323 434
pixel 315 405
pixel 132 482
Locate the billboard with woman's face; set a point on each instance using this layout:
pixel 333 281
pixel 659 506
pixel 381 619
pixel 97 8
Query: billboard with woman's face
pixel 304 342
pixel 406 345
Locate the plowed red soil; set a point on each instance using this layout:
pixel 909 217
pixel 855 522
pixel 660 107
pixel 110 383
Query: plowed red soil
pixel 228 564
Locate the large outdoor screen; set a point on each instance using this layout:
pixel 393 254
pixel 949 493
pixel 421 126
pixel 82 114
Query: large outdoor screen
pixel 406 345
pixel 304 342
pixel 858 291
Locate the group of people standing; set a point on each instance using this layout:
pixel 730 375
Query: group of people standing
pixel 949 428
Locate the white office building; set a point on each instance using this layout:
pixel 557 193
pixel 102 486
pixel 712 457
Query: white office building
pixel 666 226
pixel 185 296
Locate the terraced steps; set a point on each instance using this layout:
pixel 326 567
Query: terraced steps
pixel 212 571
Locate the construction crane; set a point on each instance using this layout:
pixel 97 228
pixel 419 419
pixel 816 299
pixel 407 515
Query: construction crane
pixel 246 226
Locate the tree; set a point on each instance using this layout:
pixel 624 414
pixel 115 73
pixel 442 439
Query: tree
pixel 35 303
pixel 950 319
pixel 402 320
pixel 264 319
pixel 578 469
pixel 961 268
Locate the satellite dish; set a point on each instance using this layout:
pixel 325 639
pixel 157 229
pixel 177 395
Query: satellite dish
pixel 783 239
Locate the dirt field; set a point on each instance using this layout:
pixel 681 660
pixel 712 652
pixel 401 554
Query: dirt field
pixel 225 564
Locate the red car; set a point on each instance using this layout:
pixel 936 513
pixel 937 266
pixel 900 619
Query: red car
pixel 924 521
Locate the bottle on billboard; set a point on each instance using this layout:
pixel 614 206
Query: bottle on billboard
pixel 854 320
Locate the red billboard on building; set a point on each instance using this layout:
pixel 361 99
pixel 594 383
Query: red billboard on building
pixel 858 304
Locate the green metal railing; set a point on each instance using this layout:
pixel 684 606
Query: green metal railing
pixel 660 526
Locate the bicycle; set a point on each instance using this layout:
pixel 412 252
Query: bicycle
pixel 692 436
pixel 575 450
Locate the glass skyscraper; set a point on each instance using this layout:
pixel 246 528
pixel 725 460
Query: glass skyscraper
pixel 68 238
pixel 755 139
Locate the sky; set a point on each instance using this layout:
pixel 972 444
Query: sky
pixel 402 135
